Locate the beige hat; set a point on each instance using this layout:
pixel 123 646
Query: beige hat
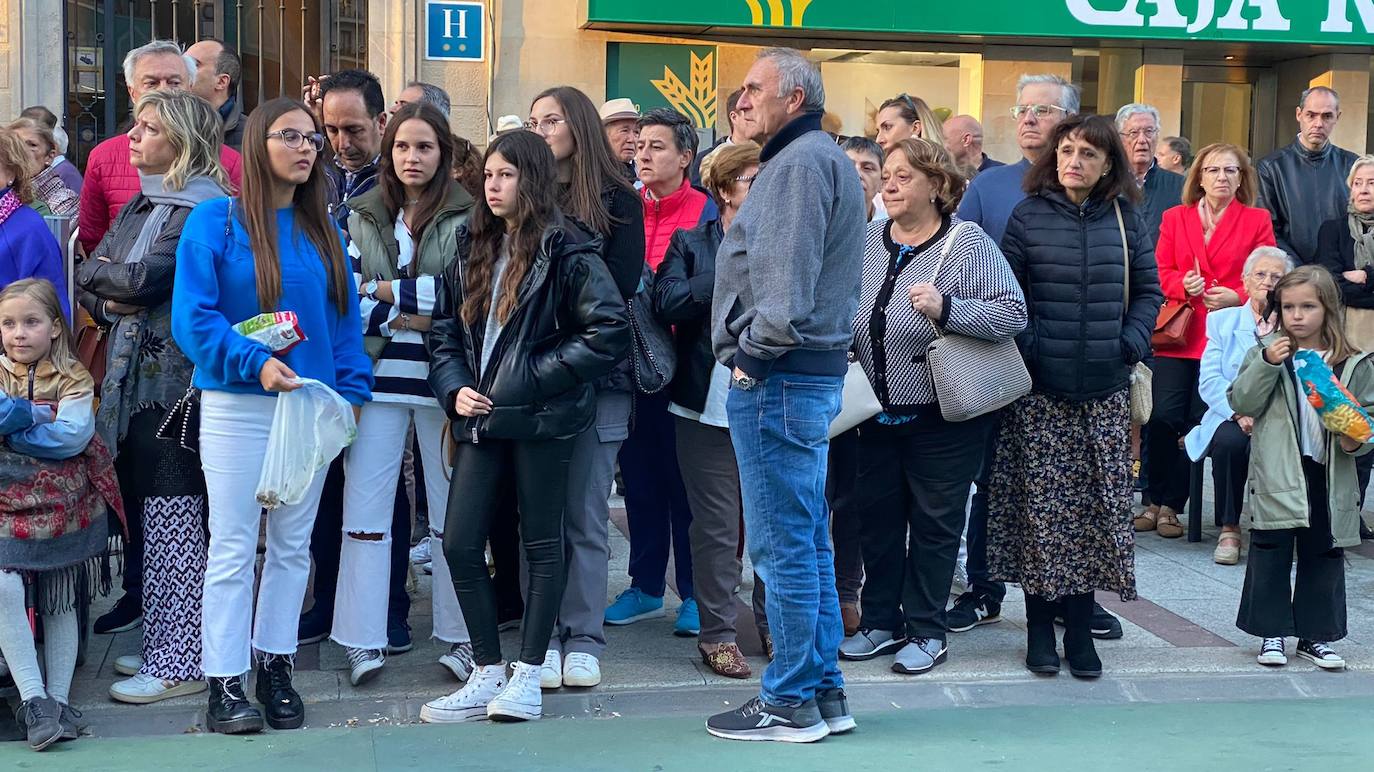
pixel 618 110
pixel 509 123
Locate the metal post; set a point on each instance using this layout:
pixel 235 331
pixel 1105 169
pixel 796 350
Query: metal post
pixel 262 73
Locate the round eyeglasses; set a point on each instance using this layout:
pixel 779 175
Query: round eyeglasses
pixel 293 139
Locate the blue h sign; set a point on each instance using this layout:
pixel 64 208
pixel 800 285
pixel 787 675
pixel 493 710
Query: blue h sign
pixel 455 30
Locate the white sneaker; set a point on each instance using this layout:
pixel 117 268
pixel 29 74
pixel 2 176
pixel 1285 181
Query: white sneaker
pixel 129 664
pixel 470 702
pixel 521 700
pixel 143 689
pixel 551 672
pixel 581 669
pixel 364 665
pixel 458 660
pixel 420 553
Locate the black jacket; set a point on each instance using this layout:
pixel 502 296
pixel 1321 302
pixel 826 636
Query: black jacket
pixel 1336 253
pixel 1302 189
pixel 682 298
pixel 1162 190
pixel 1069 262
pixel 569 328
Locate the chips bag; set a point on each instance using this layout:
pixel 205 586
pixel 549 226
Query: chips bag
pixel 280 331
pixel 1338 409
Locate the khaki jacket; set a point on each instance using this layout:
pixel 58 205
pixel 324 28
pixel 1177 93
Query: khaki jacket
pixel 1278 488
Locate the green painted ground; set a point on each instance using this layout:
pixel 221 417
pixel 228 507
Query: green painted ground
pixel 1322 735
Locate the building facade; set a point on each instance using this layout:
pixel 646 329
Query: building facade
pixel 1217 69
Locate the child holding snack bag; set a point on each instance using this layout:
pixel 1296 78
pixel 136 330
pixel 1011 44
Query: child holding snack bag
pixel 56 486
pixel 1303 489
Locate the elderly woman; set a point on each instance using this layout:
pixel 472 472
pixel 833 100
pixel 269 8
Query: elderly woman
pixel 1345 246
pixel 127 288
pixel 925 273
pixel 49 188
pixel 705 455
pixel 1203 245
pixel 27 248
pixel 1223 434
pixel 1059 506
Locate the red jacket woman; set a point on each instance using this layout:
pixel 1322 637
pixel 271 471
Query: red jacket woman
pixel 1202 249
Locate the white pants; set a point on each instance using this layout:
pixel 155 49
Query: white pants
pixel 371 472
pixel 233 443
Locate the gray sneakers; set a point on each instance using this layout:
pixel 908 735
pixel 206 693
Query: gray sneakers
pixel 919 656
pixel 834 707
pixel 867 644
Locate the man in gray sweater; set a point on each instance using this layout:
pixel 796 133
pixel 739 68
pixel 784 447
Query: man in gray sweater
pixel 787 289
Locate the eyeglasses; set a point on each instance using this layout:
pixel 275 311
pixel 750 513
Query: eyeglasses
pixel 1135 134
pixel 1039 111
pixel 293 139
pixel 546 126
pixel 1263 276
pixel 750 179
pixel 909 103
pixel 1217 171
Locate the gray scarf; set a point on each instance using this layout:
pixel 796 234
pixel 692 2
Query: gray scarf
pixel 1362 230
pixel 197 189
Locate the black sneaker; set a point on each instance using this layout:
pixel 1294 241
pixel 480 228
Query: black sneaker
pixel 314 625
pixel 1104 626
pixel 282 706
pixel 757 720
pixel 125 616
pixel 834 707
pixel 398 640
pixel 970 610
pixel 40 719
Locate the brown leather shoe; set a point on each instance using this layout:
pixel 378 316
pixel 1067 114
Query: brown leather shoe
pixel 1146 520
pixel 767 641
pixel 850 616
pixel 1168 525
pixel 727 660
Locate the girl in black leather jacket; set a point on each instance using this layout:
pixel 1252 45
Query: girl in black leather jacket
pixel 528 318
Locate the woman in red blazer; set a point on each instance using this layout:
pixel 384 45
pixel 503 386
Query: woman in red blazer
pixel 1202 248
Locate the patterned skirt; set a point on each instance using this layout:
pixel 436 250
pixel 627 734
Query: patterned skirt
pixel 1059 502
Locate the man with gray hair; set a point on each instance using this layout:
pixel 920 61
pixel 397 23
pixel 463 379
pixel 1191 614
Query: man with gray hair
pixel 1303 185
pixel 1138 125
pixel 110 180
pixel 419 91
pixel 786 291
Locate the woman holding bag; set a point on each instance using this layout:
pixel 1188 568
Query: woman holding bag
pixel 127 288
pixel 274 248
pixel 925 273
pixel 1203 245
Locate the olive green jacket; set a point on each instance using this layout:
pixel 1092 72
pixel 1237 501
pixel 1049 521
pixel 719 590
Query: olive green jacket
pixel 1278 488
pixel 372 230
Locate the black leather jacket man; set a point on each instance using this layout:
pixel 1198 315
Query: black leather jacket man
pixel 1302 189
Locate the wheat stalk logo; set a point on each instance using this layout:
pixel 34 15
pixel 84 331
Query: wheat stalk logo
pixel 777 17
pixel 697 101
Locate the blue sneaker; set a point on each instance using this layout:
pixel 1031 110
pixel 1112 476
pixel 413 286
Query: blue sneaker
pixel 688 620
pixel 632 606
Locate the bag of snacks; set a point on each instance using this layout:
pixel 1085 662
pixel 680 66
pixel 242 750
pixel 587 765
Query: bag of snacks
pixel 280 331
pixel 1340 412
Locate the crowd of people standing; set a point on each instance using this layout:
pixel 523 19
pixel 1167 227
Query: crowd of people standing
pixel 595 292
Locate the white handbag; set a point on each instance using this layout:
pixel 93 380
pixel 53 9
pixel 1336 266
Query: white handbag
pixel 973 376
pixel 858 403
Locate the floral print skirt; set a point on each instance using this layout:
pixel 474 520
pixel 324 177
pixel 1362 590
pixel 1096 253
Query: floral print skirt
pixel 1059 502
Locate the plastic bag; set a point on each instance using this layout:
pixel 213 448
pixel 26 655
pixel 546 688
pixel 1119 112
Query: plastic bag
pixel 310 427
pixel 280 331
pixel 1340 412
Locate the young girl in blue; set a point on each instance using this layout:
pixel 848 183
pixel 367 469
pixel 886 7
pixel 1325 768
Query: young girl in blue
pixel 272 249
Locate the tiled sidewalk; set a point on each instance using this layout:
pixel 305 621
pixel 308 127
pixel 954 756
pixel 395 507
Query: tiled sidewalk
pixel 1184 623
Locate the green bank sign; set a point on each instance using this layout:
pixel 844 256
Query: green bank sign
pixel 1330 22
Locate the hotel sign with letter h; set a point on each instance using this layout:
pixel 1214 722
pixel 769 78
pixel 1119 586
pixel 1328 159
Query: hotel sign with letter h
pixel 455 31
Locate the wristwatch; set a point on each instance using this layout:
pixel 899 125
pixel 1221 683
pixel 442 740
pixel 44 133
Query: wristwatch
pixel 745 382
pixel 370 289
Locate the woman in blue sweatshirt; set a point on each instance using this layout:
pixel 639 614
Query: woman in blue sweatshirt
pixel 272 249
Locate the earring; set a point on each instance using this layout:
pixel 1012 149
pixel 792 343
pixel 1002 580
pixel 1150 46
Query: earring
pixel 932 199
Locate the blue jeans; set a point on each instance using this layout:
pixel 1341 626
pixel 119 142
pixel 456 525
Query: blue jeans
pixel 780 432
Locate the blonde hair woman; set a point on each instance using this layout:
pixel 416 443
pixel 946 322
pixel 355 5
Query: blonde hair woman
pixel 27 248
pixel 127 289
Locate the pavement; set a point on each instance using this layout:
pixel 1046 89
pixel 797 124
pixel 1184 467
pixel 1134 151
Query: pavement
pixel 1181 688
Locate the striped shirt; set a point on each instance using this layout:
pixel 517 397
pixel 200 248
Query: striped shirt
pixel 402 370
